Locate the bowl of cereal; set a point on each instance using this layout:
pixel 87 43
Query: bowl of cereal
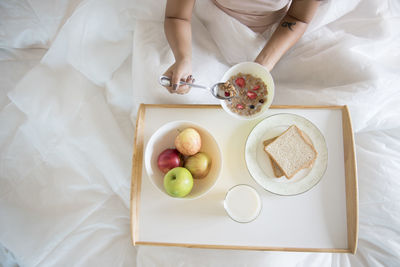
pixel 254 90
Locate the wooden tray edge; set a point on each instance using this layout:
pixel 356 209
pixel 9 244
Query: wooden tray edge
pixel 287 249
pixel 351 181
pixel 219 106
pixel 136 176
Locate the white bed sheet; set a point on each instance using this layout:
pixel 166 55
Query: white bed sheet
pixel 66 128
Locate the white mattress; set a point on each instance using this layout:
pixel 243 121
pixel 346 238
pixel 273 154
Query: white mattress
pixel 72 76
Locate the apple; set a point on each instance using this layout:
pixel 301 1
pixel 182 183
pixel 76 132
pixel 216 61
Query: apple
pixel 199 165
pixel 188 142
pixel 178 182
pixel 169 159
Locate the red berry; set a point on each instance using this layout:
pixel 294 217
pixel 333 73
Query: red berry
pixel 256 87
pixel 240 82
pixel 239 106
pixel 227 94
pixel 251 95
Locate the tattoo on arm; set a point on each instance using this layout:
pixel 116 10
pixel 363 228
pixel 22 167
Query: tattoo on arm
pixel 288 24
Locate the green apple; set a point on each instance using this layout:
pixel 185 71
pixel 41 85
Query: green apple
pixel 178 182
pixel 199 165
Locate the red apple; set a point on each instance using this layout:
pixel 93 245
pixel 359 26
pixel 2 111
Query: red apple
pixel 169 159
pixel 188 142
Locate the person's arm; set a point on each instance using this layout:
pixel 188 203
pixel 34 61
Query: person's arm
pixel 177 27
pixel 289 31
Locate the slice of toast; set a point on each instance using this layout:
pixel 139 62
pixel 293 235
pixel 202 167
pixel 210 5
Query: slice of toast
pixel 291 151
pixel 277 171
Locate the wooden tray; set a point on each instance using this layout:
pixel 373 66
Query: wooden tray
pixel 324 219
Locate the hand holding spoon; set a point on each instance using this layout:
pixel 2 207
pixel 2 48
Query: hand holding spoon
pixel 218 90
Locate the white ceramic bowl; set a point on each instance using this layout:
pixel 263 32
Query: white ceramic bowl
pixel 164 138
pixel 259 71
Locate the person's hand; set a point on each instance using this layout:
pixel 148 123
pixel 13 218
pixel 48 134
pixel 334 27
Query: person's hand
pixel 181 70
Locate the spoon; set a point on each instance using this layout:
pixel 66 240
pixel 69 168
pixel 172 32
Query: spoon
pixel 216 90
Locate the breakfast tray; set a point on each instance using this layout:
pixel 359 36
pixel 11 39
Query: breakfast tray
pixel 323 219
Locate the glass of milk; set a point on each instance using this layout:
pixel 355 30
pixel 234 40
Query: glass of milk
pixel 242 203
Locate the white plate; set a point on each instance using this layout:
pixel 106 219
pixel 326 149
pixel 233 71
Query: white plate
pixel 259 164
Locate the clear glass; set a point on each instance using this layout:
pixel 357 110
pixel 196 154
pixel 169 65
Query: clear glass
pixel 243 203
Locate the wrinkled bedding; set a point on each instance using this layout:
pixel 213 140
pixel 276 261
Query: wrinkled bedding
pixel 74 72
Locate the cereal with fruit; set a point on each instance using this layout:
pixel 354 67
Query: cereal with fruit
pixel 251 94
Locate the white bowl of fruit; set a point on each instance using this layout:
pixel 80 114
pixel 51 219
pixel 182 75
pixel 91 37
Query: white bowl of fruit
pixel 183 160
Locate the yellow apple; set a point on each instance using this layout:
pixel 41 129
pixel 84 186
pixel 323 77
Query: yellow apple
pixel 199 165
pixel 188 142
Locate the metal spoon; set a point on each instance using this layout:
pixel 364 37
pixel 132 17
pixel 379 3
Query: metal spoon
pixel 216 90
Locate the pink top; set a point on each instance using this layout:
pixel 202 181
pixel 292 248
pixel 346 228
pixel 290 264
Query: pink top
pixel 255 14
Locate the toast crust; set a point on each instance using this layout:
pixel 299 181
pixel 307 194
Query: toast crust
pixel 306 140
pixel 275 167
